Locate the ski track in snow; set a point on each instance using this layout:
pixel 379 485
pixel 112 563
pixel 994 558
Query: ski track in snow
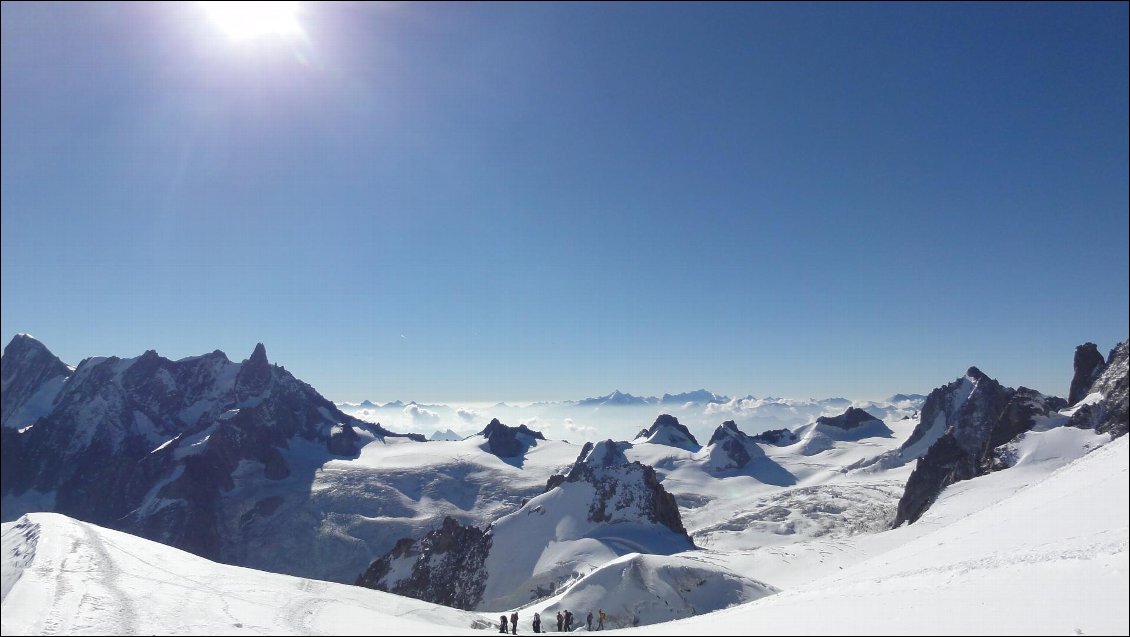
pixel 104 607
pixel 299 614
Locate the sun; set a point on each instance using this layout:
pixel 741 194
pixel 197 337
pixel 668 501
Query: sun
pixel 253 20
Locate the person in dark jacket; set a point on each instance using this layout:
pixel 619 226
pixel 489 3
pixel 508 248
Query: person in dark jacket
pixel 560 621
pixel 502 624
pixel 568 621
pixel 537 622
pixel 588 621
pixel 514 623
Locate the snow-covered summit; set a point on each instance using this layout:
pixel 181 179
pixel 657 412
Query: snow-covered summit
pixel 156 447
pixel 667 430
pixel 506 441
pixel 605 506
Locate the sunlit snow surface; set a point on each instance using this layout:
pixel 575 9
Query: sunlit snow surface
pixel 1039 548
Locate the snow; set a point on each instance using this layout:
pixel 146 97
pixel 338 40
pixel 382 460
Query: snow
pixel 70 577
pixel 1051 558
pixel 196 443
pixel 638 589
pixel 38 404
pixel 1037 549
pixel 550 541
pixel 331 519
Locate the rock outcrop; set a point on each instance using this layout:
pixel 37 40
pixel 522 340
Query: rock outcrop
pixel 1109 412
pixel 967 420
pixel 445 566
pixel 667 430
pixel 603 507
pixel 1089 364
pixel 507 442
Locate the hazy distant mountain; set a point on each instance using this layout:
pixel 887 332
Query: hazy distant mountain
pixel 616 398
pixel 697 396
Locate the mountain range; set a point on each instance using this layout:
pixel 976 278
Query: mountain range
pixel 244 464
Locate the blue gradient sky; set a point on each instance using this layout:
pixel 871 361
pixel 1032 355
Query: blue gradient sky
pixel 522 202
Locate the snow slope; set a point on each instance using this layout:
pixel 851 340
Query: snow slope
pixel 1029 550
pixel 1050 558
pixel 65 576
pixel 355 509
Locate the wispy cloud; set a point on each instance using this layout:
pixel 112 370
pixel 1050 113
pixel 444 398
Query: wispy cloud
pixel 419 416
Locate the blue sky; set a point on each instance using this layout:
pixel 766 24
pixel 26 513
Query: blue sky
pixel 520 202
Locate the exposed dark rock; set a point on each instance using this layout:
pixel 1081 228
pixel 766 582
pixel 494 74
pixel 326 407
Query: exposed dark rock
pixel 254 374
pixel 1089 364
pixel 668 430
pixel 850 419
pixel 776 437
pixel 616 483
pixel 733 443
pixel 448 566
pixel 25 368
pixel 508 442
pixel 976 424
pixel 150 446
pixel 946 401
pixel 1110 413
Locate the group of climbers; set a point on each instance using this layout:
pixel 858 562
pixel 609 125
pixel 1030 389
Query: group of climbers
pixel 564 622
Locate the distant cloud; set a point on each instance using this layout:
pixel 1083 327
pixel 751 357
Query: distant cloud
pixel 368 415
pixel 588 432
pixel 468 415
pixel 417 415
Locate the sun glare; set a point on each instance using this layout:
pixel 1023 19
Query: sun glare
pixel 252 20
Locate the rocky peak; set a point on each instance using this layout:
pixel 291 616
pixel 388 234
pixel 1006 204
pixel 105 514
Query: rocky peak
pixel 726 431
pixel 605 453
pixel 447 566
pixel 1110 413
pixel 507 442
pixel 26 366
pixel 254 374
pixel 667 430
pixel 850 419
pixel 1089 364
pixel 622 484
pixel 953 440
pixel 125 433
pixel 730 447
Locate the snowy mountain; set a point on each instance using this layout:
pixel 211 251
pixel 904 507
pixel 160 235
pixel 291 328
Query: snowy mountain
pixel 667 430
pixel 171 450
pixel 616 399
pixel 603 508
pixel 617 415
pixel 970 424
pixel 239 462
pixel 509 442
pixel 1022 553
pixel 30 379
pixel 700 396
pixel 444 435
